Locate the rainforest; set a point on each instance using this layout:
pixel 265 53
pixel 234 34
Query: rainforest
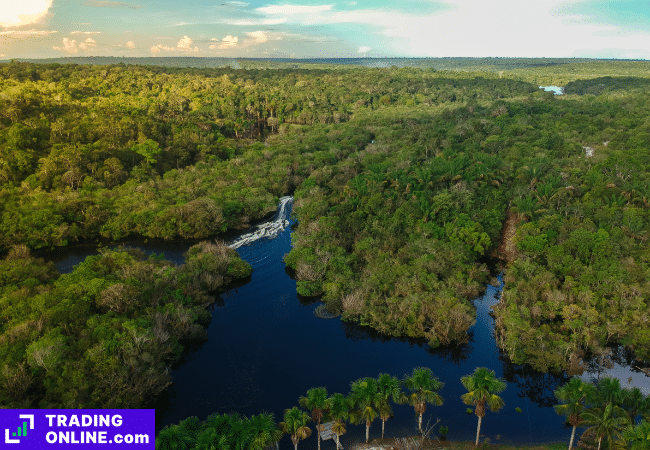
pixel 412 187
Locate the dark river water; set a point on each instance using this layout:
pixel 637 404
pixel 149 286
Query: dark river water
pixel 266 348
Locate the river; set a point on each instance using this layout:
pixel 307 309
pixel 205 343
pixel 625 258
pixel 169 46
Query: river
pixel 266 348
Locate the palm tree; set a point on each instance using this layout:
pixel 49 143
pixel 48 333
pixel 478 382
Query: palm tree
pixel 635 402
pixel 181 436
pixel 609 391
pixel 191 424
pixel 365 398
pixel 423 386
pixel 389 388
pixel 220 423
pixel 385 413
pixel 638 436
pixel 315 401
pixel 339 408
pixel 264 432
pixel 239 434
pixel 295 424
pixel 209 439
pixel 482 387
pixel 173 438
pixel 573 396
pixel 606 422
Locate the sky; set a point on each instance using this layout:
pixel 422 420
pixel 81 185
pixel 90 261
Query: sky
pixel 325 29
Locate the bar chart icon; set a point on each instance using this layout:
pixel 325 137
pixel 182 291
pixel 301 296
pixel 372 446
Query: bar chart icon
pixel 21 431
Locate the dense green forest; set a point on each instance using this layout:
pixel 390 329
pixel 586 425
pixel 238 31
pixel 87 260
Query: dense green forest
pixel 105 335
pixel 404 180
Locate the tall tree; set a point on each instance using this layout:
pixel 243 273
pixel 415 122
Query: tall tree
pixel 482 387
pixel 423 387
pixel 573 397
pixel 316 402
pixel 264 432
pixel 365 395
pixel 389 388
pixel 606 423
pixel 635 403
pixel 295 424
pixel 339 409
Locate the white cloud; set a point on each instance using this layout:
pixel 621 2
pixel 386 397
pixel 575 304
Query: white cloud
pixel 183 46
pixel 256 22
pixel 185 42
pixel 69 46
pixel 237 4
pixel 130 44
pixel 259 37
pixel 364 49
pixel 85 32
pixel 23 12
pixel 227 42
pixel 88 44
pixel 501 28
pixel 281 14
pixel 26 33
pixel 160 48
pixel 480 28
pixel 294 9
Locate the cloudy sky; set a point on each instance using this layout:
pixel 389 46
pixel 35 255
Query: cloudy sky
pixel 299 29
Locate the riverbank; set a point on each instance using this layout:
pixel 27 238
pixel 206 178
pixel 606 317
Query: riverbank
pixel 415 443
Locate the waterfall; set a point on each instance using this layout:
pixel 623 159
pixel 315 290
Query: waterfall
pixel 268 230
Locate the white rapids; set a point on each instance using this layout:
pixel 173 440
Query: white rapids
pixel 268 230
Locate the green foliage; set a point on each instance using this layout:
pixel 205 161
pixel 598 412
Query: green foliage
pixel 148 149
pixel 295 424
pixel 403 180
pixel 105 334
pixel 316 402
pixel 239 269
pixel 482 389
pixel 638 436
pixel 423 387
pixel 224 432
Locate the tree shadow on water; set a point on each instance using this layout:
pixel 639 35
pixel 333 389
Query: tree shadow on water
pixel 450 353
pixel 537 386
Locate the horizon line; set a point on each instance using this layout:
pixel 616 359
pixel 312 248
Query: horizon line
pixel 326 58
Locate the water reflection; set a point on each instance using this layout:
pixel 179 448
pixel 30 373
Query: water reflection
pixel 619 362
pixel 450 353
pixel 536 386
